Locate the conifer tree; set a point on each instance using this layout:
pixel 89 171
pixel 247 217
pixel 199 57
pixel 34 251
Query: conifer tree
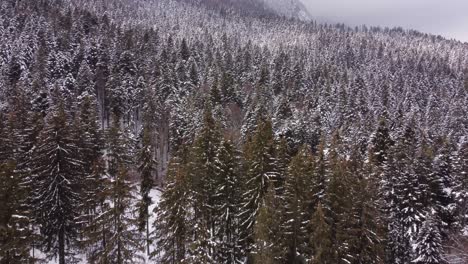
pixel 204 179
pixel 15 233
pixel 173 216
pixel 429 243
pixel 260 170
pixel 320 238
pixel 337 203
pixel 57 178
pixel 147 167
pixel 381 142
pixel 267 247
pixel 117 225
pixel 364 226
pixel 283 159
pixel 297 196
pixel 227 203
pixel 90 143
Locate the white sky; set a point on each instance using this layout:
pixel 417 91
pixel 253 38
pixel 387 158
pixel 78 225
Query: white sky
pixel 448 18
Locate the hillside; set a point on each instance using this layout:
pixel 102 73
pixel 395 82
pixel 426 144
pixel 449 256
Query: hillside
pixel 256 122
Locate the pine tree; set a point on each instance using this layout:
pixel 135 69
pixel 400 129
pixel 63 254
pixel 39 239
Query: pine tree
pixel 297 196
pixel 172 222
pixel 260 170
pixel 117 225
pixel 58 183
pixel 320 238
pixel 337 202
pixel 227 203
pixel 267 247
pixel 15 221
pixel 380 144
pixel 147 167
pixel 204 184
pixel 403 198
pixel 364 226
pixel 283 159
pixel 90 143
pixel 429 243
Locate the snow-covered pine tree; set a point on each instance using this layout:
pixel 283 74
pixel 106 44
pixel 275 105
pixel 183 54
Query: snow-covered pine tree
pixel 337 201
pixel 400 188
pixel 429 243
pixel 267 233
pixel 320 238
pixel 204 180
pixel 283 158
pixel 116 227
pixel 147 168
pixel 227 203
pixel 380 143
pixel 260 168
pixel 172 221
pixel 15 231
pixel 57 176
pixel 297 197
pixel 442 183
pixel 364 223
pixel 90 143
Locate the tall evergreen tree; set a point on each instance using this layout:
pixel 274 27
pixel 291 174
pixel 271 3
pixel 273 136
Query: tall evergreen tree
pixel 204 179
pixel 320 238
pixel 297 196
pixel 57 175
pixel 147 168
pixel 227 203
pixel 172 222
pixel 260 169
pixel 429 243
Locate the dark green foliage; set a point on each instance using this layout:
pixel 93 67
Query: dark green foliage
pixel 57 175
pixel 260 169
pixel 147 169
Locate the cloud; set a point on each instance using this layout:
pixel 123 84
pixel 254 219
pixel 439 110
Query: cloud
pixel 448 18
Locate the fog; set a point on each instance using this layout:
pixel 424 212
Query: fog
pixel 448 18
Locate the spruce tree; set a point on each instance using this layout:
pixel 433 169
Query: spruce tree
pixel 147 167
pixel 429 243
pixel 117 225
pixel 15 232
pixel 320 239
pixel 267 235
pixel 172 221
pixel 227 203
pixel 204 180
pixel 364 225
pixel 337 202
pixel 297 197
pixel 58 179
pixel 260 170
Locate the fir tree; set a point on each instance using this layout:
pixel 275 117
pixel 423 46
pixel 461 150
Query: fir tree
pixel 227 203
pixel 320 238
pixel 58 179
pixel 429 243
pixel 173 215
pixel 147 167
pixel 15 232
pixel 266 232
pixel 260 169
pixel 297 197
pixel 117 225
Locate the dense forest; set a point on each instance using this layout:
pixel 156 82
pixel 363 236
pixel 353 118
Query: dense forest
pixel 177 131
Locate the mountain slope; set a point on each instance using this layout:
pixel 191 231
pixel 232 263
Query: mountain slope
pixel 289 8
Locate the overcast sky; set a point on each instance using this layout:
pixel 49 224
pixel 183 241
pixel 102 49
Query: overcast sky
pixel 448 18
